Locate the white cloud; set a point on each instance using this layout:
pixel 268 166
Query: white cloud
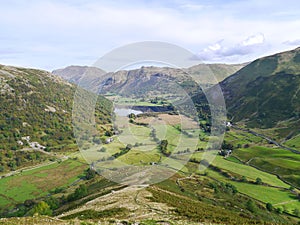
pixel 221 50
pixel 292 42
pixel 215 47
pixel 61 32
pixel 192 6
pixel 254 39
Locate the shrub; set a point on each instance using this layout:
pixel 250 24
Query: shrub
pixel 251 206
pixel 269 207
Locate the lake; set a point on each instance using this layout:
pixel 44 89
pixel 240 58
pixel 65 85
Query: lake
pixel 126 112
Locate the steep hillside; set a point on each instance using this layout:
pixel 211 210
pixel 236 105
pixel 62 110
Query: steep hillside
pixel 266 92
pixel 38 104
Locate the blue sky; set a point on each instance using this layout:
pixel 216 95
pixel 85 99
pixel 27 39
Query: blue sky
pixel 56 33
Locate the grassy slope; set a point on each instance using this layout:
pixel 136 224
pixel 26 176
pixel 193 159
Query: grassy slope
pixel 276 161
pixel 266 91
pixel 275 195
pixel 38 182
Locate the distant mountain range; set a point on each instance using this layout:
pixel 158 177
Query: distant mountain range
pixel 262 94
pixel 123 81
pixel 220 71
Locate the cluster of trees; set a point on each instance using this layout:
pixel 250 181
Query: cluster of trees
pixel 90 174
pixel 163 147
pixel 184 151
pixel 257 181
pixel 80 192
pixel 153 135
pixel 227 146
pixel 122 152
pixel 251 206
pixel 11 160
pixel 206 127
pixel 224 188
pixel 157 100
pixel 41 208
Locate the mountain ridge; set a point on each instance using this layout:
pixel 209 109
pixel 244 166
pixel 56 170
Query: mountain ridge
pixel 219 71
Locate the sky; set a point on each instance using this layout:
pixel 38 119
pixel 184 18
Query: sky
pixel 51 34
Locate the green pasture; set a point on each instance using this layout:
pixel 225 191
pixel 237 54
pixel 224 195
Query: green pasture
pixel 294 142
pixel 38 182
pixel 276 196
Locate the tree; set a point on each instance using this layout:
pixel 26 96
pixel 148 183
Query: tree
pixel 42 208
pixel 296 212
pixel 163 147
pixel 80 192
pixel 132 116
pixel 52 202
pixel 128 147
pixel 90 174
pixel 258 181
pixel 108 133
pixel 279 210
pixel 230 188
pixel 12 165
pixel 244 179
pixel 227 146
pixel 250 205
pixel 269 207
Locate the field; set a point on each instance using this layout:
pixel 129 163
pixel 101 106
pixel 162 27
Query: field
pixel 173 120
pixel 144 148
pixel 278 197
pixel 273 160
pixel 129 101
pixel 294 142
pixel 38 182
pixel 249 172
pixel 274 190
